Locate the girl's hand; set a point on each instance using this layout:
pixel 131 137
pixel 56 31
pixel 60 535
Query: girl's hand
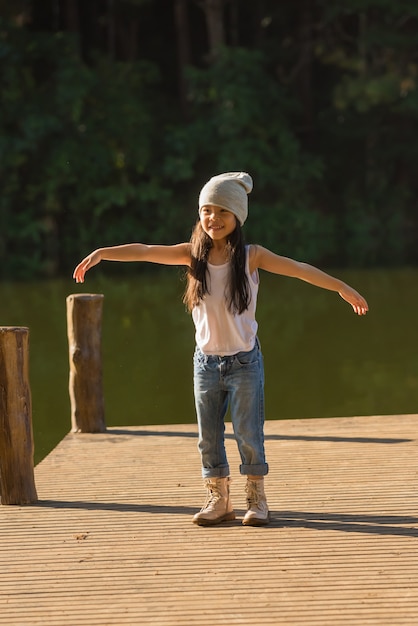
pixel 357 301
pixel 86 264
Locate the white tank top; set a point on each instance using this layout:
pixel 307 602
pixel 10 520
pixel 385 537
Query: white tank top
pixel 218 331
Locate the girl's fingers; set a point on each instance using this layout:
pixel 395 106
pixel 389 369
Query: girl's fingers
pixel 360 310
pixel 79 273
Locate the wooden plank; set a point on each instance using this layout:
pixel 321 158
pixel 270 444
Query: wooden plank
pixel 111 540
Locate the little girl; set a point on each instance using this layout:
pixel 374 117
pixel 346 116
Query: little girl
pixel 221 294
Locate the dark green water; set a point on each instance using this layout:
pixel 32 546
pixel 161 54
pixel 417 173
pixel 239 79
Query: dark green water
pixel 321 359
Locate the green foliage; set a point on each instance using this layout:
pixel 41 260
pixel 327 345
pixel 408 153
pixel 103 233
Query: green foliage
pixel 322 113
pixel 241 121
pixel 77 153
pixel 376 232
pixel 368 127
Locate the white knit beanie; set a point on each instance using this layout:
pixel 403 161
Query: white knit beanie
pixel 228 191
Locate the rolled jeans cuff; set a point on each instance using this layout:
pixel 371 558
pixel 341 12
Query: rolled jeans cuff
pixel 254 470
pixel 215 472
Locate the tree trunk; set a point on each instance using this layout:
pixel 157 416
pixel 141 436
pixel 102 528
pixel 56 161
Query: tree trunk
pixel 214 11
pixel 304 77
pixel 84 327
pixel 127 38
pixel 71 16
pixel 17 482
pixel 183 50
pixel 111 30
pixel 71 19
pixel 234 23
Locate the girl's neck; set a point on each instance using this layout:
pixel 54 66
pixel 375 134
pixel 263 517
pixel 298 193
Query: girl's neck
pixel 218 254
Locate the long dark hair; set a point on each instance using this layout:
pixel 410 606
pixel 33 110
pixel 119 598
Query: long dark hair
pixel 238 294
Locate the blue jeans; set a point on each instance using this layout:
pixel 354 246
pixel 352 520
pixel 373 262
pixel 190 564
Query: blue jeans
pixel 236 381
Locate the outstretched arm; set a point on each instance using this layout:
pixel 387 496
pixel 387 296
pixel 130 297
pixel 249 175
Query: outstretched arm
pixel 267 260
pixel 166 255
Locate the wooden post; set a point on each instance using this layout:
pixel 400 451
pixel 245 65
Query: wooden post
pixel 17 482
pixel 84 326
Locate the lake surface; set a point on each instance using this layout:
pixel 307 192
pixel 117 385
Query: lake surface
pixel 321 360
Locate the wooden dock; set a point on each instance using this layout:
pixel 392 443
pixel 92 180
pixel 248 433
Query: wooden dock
pixel 111 539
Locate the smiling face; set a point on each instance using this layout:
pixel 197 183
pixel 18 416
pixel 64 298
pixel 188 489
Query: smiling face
pixel 217 222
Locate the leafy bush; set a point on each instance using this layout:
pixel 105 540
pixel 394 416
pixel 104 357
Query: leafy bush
pixel 242 121
pixel 99 153
pixel 78 147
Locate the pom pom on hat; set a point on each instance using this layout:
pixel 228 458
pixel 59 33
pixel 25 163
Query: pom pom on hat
pixel 228 191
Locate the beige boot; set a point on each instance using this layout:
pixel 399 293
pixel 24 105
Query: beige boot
pixel 258 512
pixel 218 507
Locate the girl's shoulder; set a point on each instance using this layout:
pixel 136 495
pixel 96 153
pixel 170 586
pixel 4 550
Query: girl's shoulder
pixel 262 258
pixel 252 251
